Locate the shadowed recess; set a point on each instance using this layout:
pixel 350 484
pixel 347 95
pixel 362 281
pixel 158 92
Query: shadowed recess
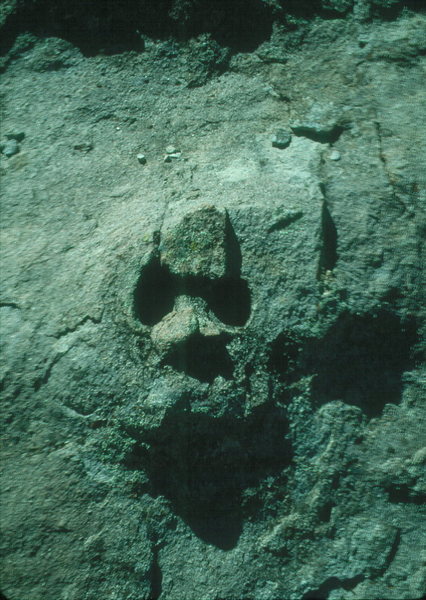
pixel 157 289
pixel 323 136
pixel 155 576
pixel 113 27
pixel 202 464
pixel 328 254
pixel 234 258
pixel 203 358
pixel 229 299
pixel 118 26
pixel 404 493
pixel 154 294
pixel 284 358
pixel 360 360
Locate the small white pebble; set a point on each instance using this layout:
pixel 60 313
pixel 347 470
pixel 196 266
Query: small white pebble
pixel 170 149
pixel 335 155
pixel 141 158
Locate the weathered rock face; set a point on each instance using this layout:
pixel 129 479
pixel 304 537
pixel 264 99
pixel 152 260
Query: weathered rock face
pixel 213 371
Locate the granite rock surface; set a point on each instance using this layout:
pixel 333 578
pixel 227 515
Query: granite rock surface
pixel 213 368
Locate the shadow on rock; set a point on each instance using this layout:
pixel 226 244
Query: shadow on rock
pixel 360 360
pixel 202 465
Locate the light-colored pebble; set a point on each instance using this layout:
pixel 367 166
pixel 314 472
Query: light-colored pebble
pixel 335 155
pixel 141 158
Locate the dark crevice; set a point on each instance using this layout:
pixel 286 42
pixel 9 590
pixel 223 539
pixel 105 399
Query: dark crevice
pixel 10 305
pixel 40 381
pixel 222 531
pixel 154 294
pixel 93 27
pixel 331 584
pixel 155 576
pixel 202 357
pixel 83 321
pixel 202 464
pixel 234 257
pixel 392 552
pixel 324 513
pixel 328 255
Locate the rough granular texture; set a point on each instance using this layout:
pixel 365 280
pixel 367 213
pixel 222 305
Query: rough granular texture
pixel 213 380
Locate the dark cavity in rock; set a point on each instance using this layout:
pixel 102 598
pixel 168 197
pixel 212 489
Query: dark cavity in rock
pixel 157 289
pixel 202 357
pixel 360 360
pixel 328 255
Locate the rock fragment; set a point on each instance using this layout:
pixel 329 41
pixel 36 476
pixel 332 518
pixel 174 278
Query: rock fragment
pixel 281 139
pixel 335 155
pixel 197 245
pixel 9 147
pixel 174 329
pixel 321 124
pixel 83 147
pixel 141 158
pixel 170 157
pixel 172 153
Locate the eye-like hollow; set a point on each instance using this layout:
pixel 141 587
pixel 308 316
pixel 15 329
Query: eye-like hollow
pixel 157 289
pixel 154 294
pixel 229 299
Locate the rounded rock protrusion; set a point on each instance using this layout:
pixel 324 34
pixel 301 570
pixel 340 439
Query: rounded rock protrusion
pixel 335 155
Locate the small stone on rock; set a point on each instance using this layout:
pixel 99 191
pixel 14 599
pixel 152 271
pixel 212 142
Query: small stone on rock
pixel 84 147
pixel 171 149
pixel 335 155
pixel 10 147
pixel 141 159
pixel 281 139
pixel 173 156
